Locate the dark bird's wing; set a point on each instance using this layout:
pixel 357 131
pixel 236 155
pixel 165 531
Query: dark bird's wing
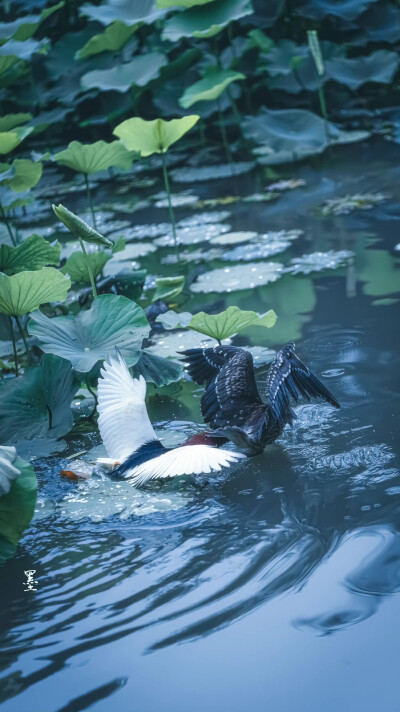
pixel 288 376
pixel 231 391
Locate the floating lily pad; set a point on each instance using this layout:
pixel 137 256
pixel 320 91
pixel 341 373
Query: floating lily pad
pixel 229 322
pixel 171 343
pixel 177 200
pixel 125 10
pixel 94 157
pixel 359 201
pixel 38 404
pixel 206 20
pixel 233 238
pixel 205 173
pixel 139 72
pixel 17 508
pixel 125 259
pixel 114 37
pixel 209 88
pixel 379 66
pixel 24 292
pixel 290 184
pixel 258 249
pixel 288 135
pixel 192 235
pixel 33 254
pixel 172 320
pixel 319 261
pixel 92 335
pixel 232 279
pixel 156 136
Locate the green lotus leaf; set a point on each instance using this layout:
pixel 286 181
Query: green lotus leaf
pixel 125 10
pixel 79 227
pixel 76 265
pixel 205 21
pixel 94 157
pixel 38 404
pixel 157 369
pixel 92 335
pixel 25 27
pixel 21 50
pixel 114 37
pixel 17 508
pixel 172 320
pixel 11 139
pixel 156 136
pixel 26 174
pixel 288 135
pixel 26 291
pixel 139 72
pixel 168 287
pixel 8 471
pixel 230 322
pixel 166 4
pixel 209 88
pixel 10 121
pixel 36 252
pixel 9 201
pixel 379 66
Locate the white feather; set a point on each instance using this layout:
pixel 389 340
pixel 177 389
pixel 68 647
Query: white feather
pixel 185 460
pixel 123 420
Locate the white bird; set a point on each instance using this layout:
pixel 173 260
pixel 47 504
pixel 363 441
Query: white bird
pixel 129 438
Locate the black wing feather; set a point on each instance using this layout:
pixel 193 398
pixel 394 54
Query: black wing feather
pixel 203 364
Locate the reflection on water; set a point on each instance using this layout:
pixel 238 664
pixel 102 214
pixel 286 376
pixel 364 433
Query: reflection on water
pixel 312 524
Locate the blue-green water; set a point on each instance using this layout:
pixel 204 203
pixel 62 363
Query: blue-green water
pixel 276 585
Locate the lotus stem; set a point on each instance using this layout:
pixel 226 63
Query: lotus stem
pixel 21 331
pixel 90 201
pixel 322 103
pixel 224 134
pixel 14 345
pixel 170 208
pixel 7 224
pixel 89 269
pixel 92 393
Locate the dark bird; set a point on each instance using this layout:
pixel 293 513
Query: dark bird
pixel 231 403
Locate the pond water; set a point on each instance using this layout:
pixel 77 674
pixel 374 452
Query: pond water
pixel 272 586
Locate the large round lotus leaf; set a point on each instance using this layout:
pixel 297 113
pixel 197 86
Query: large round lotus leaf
pixel 11 139
pixel 289 135
pixel 139 72
pixel 319 261
pixel 76 265
pixel 92 335
pixel 209 88
pixel 25 292
pixel 157 369
pixel 112 39
pixel 11 120
pixel 379 66
pixel 17 508
pixel 33 254
pixel 231 279
pixel 229 322
pixel 8 471
pixel 26 174
pixel 94 157
pixel 345 9
pixel 79 227
pixel 26 26
pixel 38 404
pixel 156 136
pixel 233 238
pixel 125 10
pixel 205 21
pixel 258 249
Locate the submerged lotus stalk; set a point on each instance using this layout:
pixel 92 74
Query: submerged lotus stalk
pixel 316 53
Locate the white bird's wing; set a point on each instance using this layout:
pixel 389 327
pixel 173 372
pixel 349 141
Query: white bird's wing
pixel 185 460
pixel 123 420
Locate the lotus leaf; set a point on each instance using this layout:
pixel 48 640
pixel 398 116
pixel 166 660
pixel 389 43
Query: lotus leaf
pixel 26 174
pixel 165 4
pixel 17 508
pixel 289 135
pixel 79 227
pixel 114 37
pixel 125 10
pixel 345 9
pixel 168 287
pixel 92 335
pixel 10 121
pixel 230 279
pixel 39 403
pixel 21 50
pixel 205 21
pixel 172 320
pixel 11 139
pixel 379 66
pixel 139 72
pixel 23 28
pixel 8 471
pixel 156 136
pixel 34 253
pixel 26 291
pixel 227 323
pixel 209 88
pixel 157 369
pixel 76 265
pixel 91 158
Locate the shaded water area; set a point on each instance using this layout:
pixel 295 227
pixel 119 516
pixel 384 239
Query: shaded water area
pixel 275 585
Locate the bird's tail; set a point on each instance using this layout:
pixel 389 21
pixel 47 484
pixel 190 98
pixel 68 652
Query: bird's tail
pixel 289 377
